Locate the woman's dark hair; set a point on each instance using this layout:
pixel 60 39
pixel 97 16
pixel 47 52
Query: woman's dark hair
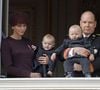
pixel 18 18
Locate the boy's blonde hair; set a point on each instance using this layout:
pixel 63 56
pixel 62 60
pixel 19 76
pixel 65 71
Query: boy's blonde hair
pixel 49 36
pixel 75 26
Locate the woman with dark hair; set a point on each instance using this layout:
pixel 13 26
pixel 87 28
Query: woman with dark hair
pixel 17 51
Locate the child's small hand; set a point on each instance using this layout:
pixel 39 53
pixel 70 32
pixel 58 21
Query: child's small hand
pixel 53 56
pixel 33 47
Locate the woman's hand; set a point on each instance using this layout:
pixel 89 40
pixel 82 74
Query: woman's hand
pixel 43 59
pixel 35 75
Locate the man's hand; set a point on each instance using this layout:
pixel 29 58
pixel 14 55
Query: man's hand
pixel 82 51
pixel 77 67
pixel 91 57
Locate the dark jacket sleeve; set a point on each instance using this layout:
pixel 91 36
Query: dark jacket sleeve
pixel 62 47
pixel 96 45
pixel 88 45
pixel 6 56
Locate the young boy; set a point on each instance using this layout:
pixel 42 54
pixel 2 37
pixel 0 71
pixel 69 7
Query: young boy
pixel 74 56
pixel 47 48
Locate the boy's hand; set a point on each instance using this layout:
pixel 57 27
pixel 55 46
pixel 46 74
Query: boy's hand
pixel 53 56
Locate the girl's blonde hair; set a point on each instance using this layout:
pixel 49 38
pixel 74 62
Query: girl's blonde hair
pixel 49 36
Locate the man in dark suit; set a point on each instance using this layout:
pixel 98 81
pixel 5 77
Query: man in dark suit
pixel 88 25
